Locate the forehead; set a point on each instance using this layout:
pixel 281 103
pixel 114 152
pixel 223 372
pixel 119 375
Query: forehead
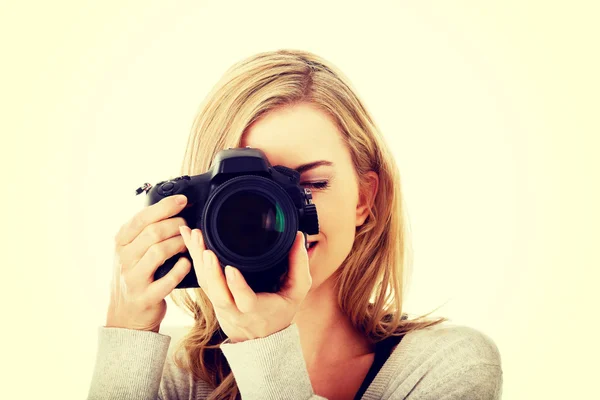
pixel 294 135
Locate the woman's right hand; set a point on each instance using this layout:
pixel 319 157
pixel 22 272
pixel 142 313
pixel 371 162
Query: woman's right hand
pixel 143 244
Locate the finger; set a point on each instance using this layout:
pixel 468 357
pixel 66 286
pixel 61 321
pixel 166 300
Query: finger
pixel 142 273
pixel 152 234
pixel 194 242
pixel 219 293
pixel 245 298
pixel 164 209
pixel 161 288
pixel 299 281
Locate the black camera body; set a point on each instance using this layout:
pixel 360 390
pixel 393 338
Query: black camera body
pixel 248 212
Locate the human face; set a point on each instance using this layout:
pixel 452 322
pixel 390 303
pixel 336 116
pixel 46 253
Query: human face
pixel 301 134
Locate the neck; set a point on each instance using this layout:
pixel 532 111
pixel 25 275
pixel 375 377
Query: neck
pixel 326 334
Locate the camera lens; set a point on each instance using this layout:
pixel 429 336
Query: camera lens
pixel 249 223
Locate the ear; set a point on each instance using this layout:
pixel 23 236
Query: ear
pixel 366 197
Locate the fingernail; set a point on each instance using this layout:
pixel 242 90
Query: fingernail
pixel 181 230
pixel 230 274
pixel 180 199
pixel 305 240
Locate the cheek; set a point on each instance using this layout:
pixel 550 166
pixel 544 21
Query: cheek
pixel 337 230
pixel 337 224
pixel 339 211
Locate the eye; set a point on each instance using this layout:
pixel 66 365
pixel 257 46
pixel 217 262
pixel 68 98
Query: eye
pixel 317 185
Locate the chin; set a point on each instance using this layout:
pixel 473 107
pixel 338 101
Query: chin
pixel 319 279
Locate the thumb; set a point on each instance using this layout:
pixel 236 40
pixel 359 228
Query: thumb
pixel 299 281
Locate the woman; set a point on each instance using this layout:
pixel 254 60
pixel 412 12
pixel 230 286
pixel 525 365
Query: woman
pixel 336 330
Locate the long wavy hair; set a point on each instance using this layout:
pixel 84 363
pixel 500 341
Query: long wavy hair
pixel 370 282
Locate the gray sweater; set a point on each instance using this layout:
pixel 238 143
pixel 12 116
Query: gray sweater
pixel 441 362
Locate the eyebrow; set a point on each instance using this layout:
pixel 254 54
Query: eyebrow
pixel 311 165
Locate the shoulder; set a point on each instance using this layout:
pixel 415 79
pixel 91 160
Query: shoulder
pixel 448 360
pixel 460 343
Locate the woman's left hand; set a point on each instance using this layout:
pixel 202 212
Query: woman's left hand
pixel 242 313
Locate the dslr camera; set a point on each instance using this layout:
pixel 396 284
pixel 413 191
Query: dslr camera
pixel 248 212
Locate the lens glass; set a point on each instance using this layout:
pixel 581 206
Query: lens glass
pixel 249 224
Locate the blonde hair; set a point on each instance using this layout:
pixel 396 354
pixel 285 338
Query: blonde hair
pixel 371 280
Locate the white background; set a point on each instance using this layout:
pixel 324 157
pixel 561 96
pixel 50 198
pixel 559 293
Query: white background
pixel 492 111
